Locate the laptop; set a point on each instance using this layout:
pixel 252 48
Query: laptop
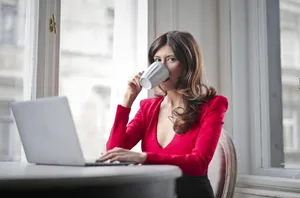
pixel 48 133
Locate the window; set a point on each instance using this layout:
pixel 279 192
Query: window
pixel 86 67
pixel 274 74
pixel 289 37
pixel 87 59
pixel 16 68
pixel 95 61
pixel 9 21
pixel 290 140
pixel 290 70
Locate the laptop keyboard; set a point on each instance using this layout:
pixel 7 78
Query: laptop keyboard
pixel 116 163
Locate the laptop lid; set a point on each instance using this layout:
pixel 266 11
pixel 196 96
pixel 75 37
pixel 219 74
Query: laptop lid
pixel 47 131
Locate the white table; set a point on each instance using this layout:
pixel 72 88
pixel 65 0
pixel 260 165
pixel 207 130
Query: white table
pixel 147 181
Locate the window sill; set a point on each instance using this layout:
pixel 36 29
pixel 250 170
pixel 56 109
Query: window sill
pixel 268 186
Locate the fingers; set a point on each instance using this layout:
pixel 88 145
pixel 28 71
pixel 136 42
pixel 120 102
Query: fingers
pixel 108 157
pixel 140 73
pixel 114 157
pixel 114 150
pixel 111 153
pixel 121 155
pixel 136 79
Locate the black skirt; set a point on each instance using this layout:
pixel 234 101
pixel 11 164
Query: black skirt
pixel 194 187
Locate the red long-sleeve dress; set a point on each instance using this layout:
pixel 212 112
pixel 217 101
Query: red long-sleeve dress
pixel 192 151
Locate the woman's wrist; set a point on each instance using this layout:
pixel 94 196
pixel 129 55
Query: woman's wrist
pixel 128 101
pixel 127 104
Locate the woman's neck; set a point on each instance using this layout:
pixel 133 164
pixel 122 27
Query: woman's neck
pixel 173 99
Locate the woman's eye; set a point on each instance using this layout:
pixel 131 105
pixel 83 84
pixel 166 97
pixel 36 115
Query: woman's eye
pixel 171 59
pixel 157 60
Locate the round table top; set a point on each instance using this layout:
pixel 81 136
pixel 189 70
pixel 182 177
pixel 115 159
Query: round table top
pixel 21 173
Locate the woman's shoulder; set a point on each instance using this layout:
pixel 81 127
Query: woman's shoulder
pixel 150 103
pixel 219 99
pixel 218 102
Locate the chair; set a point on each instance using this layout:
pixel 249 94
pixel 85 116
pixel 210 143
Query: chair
pixel 222 171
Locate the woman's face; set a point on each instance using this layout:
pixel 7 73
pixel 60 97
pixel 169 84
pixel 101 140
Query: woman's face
pixel 166 56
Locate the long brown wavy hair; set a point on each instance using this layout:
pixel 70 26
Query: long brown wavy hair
pixel 190 83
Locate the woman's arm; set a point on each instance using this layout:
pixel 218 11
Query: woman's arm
pixel 123 134
pixel 196 163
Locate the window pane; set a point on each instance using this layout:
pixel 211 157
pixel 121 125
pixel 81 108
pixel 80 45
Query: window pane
pixel 12 76
pixel 86 68
pixel 290 56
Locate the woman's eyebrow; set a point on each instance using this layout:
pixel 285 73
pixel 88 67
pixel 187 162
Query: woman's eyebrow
pixel 171 55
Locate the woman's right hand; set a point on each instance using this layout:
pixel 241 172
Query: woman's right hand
pixel 133 89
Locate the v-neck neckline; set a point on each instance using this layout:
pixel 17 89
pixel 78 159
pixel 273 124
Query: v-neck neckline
pixel 156 126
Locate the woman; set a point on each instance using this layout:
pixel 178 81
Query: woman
pixel 181 126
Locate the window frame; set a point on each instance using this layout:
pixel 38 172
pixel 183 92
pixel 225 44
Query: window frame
pixel 47 69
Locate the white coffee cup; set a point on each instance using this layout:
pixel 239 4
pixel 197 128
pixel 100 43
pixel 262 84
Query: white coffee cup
pixel 155 74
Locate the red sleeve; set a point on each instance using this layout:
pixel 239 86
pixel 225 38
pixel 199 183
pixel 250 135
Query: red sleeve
pixel 196 163
pixel 123 135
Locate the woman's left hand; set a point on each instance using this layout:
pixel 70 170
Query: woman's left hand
pixel 123 155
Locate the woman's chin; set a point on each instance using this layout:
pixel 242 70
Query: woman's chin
pixel 167 86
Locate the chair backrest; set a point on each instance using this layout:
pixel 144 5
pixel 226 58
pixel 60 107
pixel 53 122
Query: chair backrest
pixel 222 171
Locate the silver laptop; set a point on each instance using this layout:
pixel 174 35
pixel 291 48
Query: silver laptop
pixel 48 133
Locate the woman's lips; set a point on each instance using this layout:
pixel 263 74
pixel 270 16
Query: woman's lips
pixel 167 79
